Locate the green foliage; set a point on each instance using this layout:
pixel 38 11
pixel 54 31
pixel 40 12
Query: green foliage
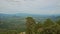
pixel 30 25
pixel 17 25
pixel 48 27
pixel 58 22
pixel 48 23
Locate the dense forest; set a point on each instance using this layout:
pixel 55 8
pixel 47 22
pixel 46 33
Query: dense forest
pixel 35 24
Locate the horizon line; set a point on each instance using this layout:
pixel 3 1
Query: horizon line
pixel 29 13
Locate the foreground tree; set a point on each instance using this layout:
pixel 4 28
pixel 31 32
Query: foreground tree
pixel 58 26
pixel 58 22
pixel 30 25
pixel 40 28
pixel 48 24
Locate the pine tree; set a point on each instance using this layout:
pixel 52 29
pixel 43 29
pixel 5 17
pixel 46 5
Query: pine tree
pixel 58 27
pixel 30 25
pixel 58 22
pixel 39 28
pixel 48 23
pixel 48 26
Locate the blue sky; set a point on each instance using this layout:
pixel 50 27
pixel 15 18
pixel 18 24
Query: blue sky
pixel 30 6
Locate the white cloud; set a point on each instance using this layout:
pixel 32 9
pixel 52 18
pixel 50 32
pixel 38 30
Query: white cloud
pixel 30 6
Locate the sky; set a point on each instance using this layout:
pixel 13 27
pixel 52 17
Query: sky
pixel 30 6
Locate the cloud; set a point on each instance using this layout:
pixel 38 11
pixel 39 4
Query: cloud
pixel 30 6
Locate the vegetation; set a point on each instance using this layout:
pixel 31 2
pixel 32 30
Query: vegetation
pixel 30 25
pixel 48 27
pixel 15 25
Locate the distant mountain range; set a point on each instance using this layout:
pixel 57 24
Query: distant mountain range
pixel 26 15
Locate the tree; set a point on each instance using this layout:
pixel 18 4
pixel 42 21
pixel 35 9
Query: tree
pixel 39 28
pixel 58 27
pixel 48 24
pixel 30 25
pixel 58 22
